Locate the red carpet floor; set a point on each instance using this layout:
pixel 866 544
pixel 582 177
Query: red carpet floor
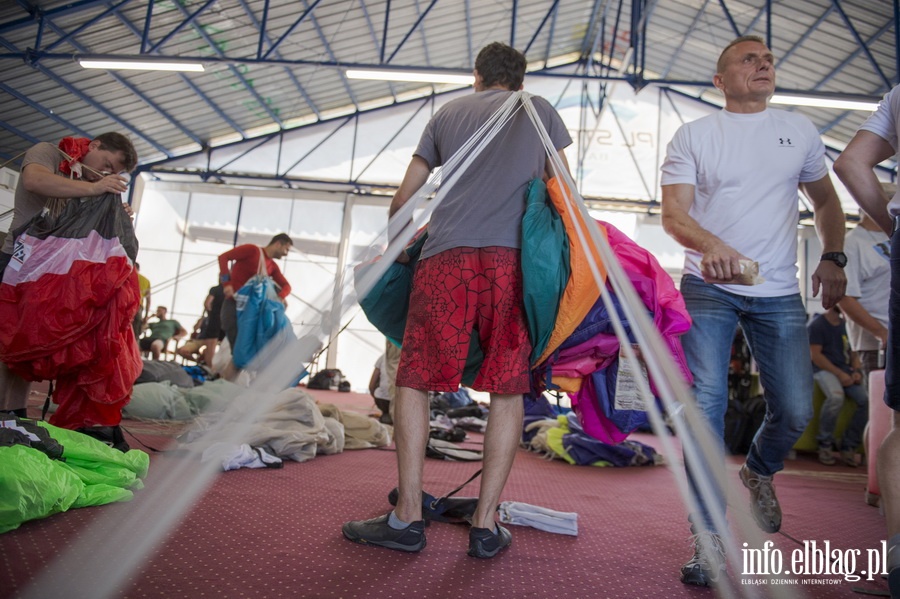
pixel 276 533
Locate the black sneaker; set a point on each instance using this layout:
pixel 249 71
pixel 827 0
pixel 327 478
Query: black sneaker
pixel 484 543
pixel 110 435
pixel 708 562
pixel 378 532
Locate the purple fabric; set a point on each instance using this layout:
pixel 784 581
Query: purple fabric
pixel 600 352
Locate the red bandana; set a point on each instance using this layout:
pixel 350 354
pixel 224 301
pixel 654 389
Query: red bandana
pixel 75 148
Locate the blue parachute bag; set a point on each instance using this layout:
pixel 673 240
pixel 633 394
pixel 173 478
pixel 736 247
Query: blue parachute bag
pixel 261 319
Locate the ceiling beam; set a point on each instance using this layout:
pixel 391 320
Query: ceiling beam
pixel 36 14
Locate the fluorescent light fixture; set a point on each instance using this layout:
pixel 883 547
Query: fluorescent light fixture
pixel 141 66
pixel 413 76
pixel 819 102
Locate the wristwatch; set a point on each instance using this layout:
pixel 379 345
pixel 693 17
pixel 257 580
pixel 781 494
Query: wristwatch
pixel 839 258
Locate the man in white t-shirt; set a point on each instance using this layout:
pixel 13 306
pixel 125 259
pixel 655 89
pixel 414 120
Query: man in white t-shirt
pixel 875 142
pixel 868 289
pixel 730 196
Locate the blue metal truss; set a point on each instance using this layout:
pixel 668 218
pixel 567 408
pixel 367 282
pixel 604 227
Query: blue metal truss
pixel 124 83
pixel 231 66
pixel 599 41
pixel 264 37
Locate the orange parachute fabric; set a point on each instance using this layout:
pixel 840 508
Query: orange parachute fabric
pixel 582 289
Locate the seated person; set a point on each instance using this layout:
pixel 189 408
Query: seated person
pixel 836 370
pixel 201 347
pixel 193 348
pixel 378 387
pixel 160 332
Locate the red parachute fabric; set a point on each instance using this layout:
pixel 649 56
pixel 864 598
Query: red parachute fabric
pixel 67 301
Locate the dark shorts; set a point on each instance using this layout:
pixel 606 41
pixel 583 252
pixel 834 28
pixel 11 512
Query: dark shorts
pixel 229 320
pixel 214 324
pixel 145 342
pixel 454 293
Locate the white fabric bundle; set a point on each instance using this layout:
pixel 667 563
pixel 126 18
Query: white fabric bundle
pixel 523 514
pixel 239 456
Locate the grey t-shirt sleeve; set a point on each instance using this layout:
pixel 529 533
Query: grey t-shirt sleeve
pixel 427 148
pixel 556 128
pixel 44 154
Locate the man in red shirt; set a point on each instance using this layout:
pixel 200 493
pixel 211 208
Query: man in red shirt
pixel 246 261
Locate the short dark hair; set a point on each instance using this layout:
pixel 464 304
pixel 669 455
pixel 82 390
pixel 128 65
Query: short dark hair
pixel 498 63
pixel 116 142
pixel 720 64
pixel 282 238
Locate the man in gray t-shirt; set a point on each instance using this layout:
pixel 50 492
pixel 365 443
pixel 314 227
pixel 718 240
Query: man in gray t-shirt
pixel 468 281
pixel 50 173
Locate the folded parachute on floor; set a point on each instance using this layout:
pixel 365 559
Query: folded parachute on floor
pixel 67 301
pixel 37 483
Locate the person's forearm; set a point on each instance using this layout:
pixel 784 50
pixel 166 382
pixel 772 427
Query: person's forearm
pixel 855 169
pixel 829 219
pixel 686 231
pixel 853 310
pixel 50 185
pixel 825 364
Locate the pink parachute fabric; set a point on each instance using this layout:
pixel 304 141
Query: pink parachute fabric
pixel 67 300
pixel 658 293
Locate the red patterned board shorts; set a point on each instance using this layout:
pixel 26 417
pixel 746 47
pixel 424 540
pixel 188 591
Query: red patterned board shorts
pixel 454 293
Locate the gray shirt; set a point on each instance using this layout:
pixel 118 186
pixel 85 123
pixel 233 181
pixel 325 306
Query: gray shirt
pixel 26 204
pixel 486 205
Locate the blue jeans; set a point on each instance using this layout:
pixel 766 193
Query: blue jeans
pixel 775 330
pixel 835 394
pixel 892 356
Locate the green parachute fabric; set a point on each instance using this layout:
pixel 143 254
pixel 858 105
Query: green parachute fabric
pixel 34 486
pixel 545 265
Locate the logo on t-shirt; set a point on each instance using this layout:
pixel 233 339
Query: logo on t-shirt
pixel 883 250
pixel 785 142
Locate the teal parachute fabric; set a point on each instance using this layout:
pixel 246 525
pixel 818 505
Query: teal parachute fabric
pixel 387 303
pixel 545 265
pixel 261 318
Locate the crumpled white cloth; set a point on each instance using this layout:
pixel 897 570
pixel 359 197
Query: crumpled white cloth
pixel 239 456
pixel 523 514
